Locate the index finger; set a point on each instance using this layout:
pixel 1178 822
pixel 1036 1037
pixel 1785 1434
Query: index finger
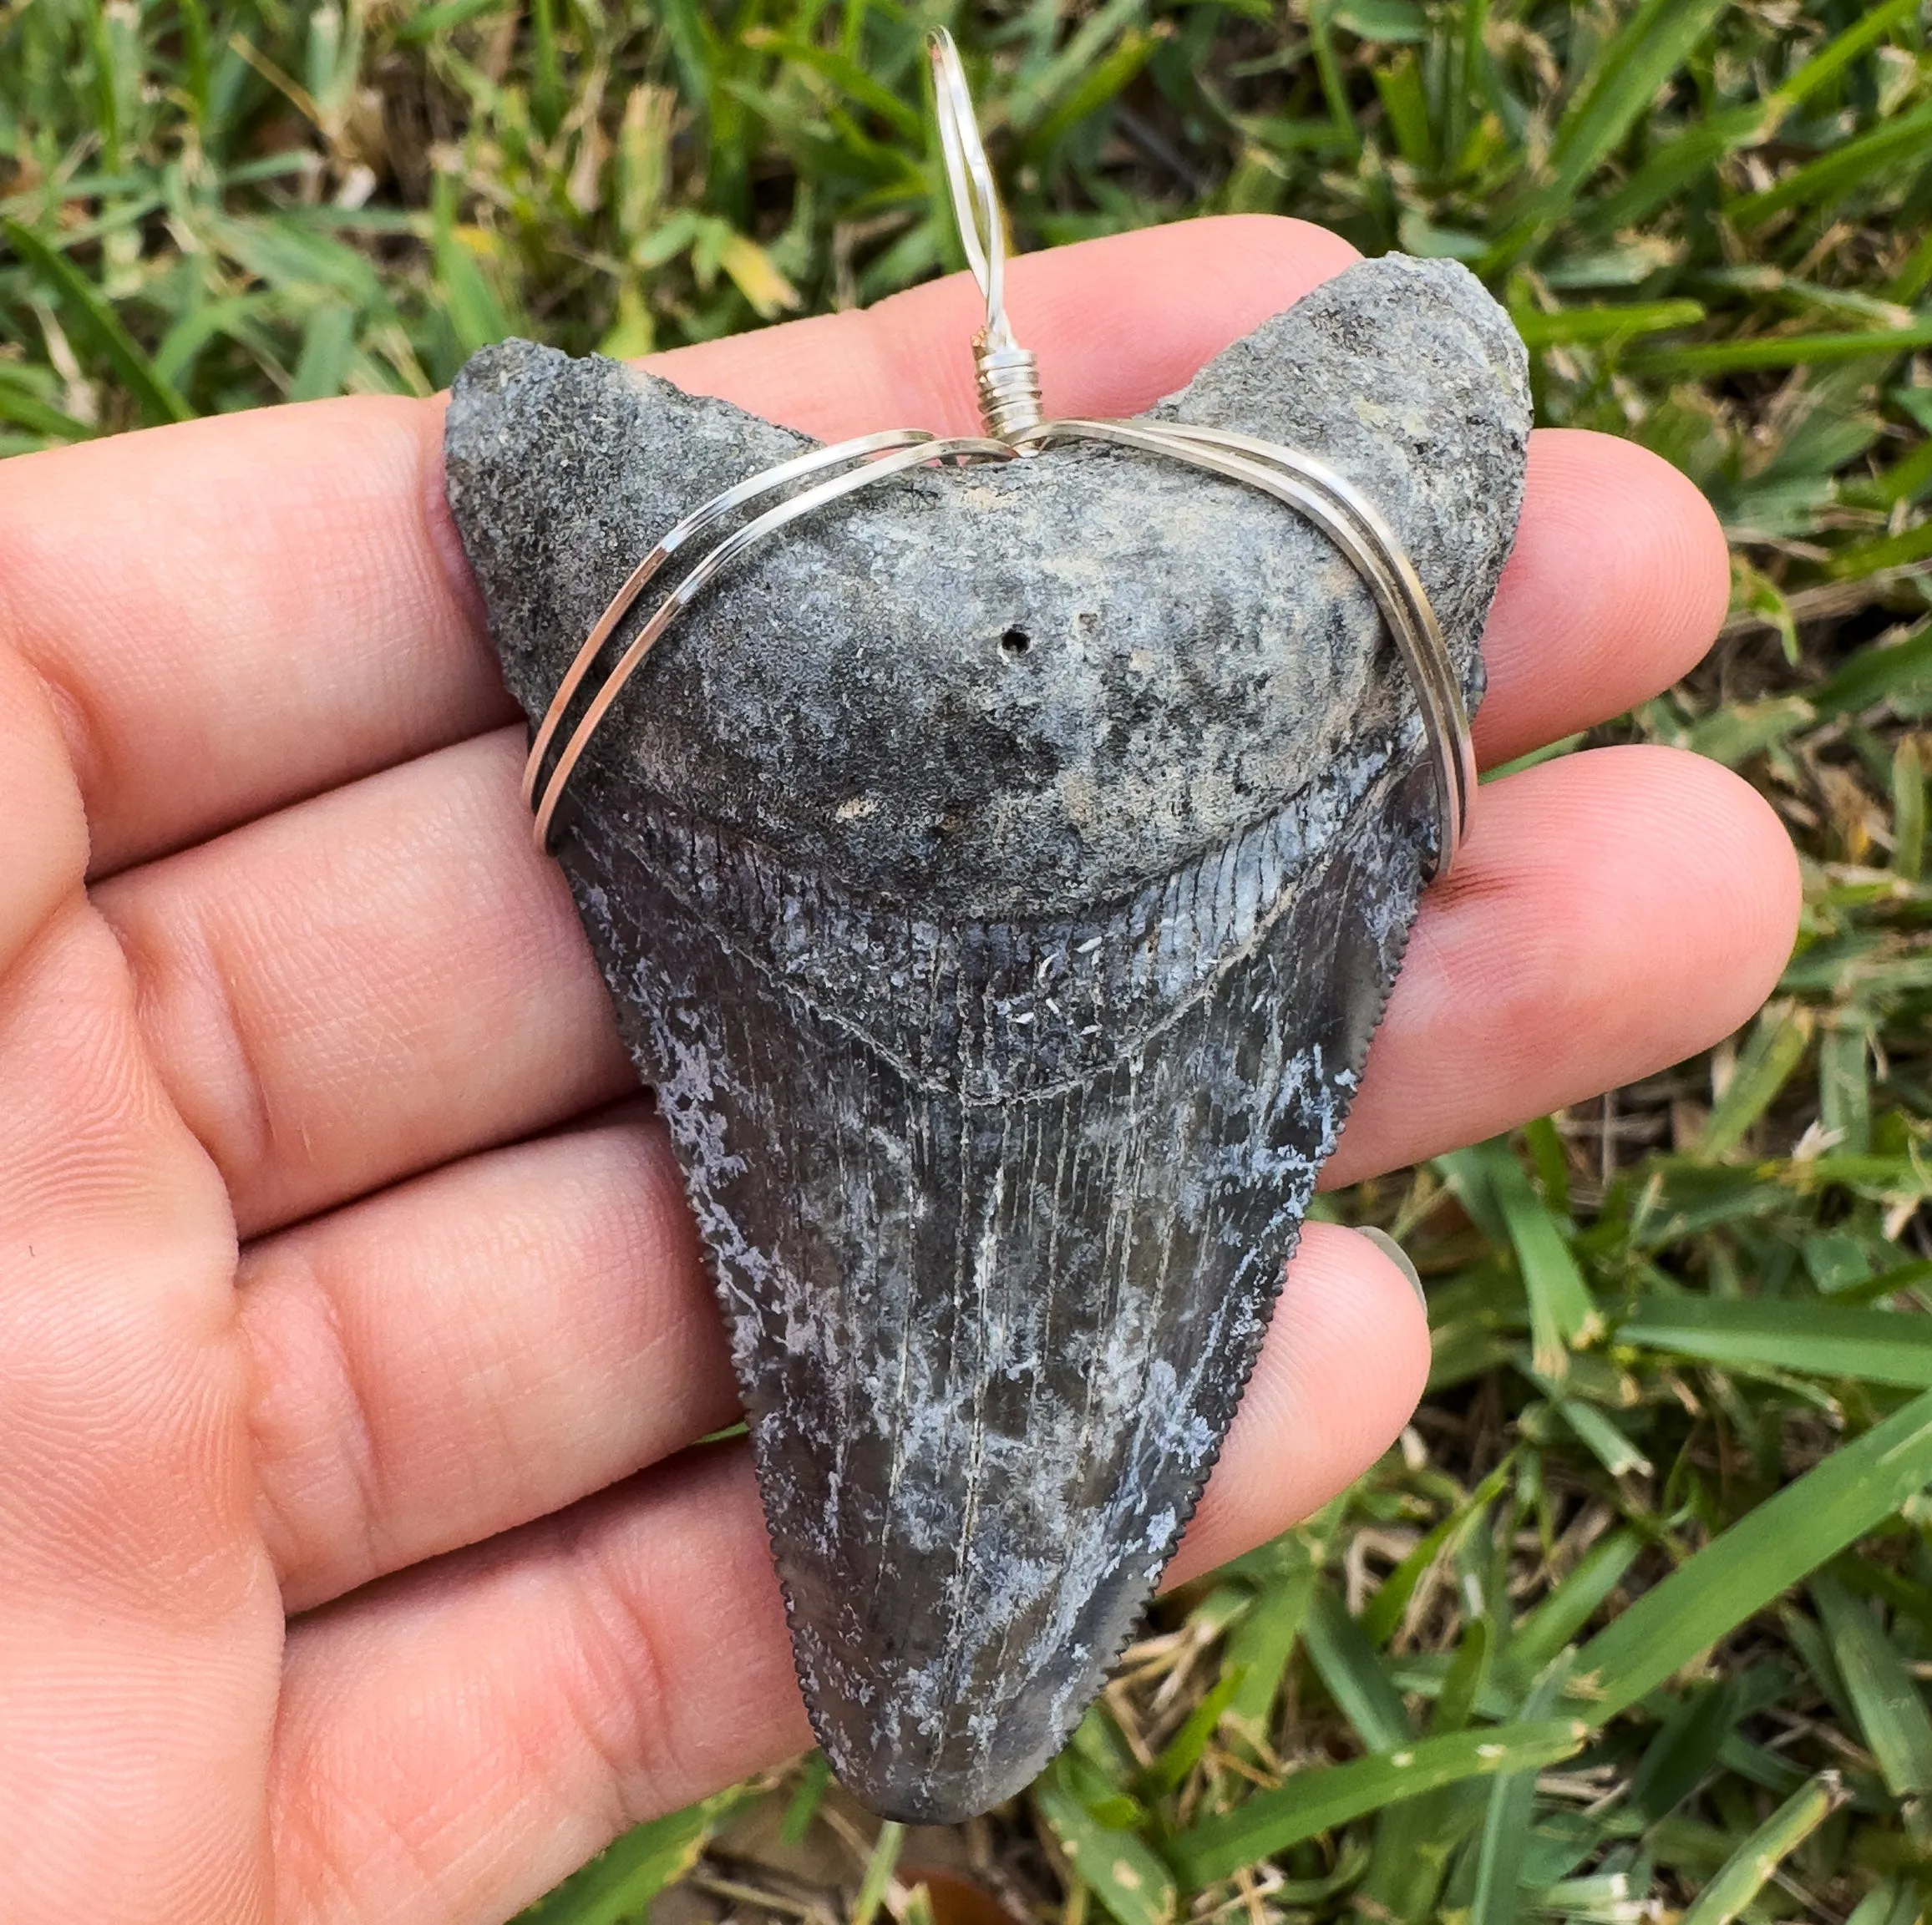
pixel 235 614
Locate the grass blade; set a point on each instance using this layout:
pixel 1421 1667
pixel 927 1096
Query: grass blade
pixel 1847 164
pixel 1899 550
pixel 813 1780
pixel 1779 350
pixel 1776 1047
pixel 1678 165
pixel 1506 1822
pixel 1883 1693
pixel 1328 65
pixel 328 345
pixel 1100 85
pixel 1599 1435
pixel 476 316
pixel 1734 734
pixel 1468 1174
pixel 1647 50
pixel 851 79
pixel 1838 52
pixel 1909 805
pixel 1384 1611
pixel 1573 1603
pixel 1845 1088
pixel 1124 1874
pixel 1749 1870
pixel 1345 1662
pixel 617 1886
pixel 1314 1802
pixel 159 400
pixel 1184 1749
pixel 1689 159
pixel 879 1870
pixel 1879 673
pixel 1769 1549
pixel 1464 1682
pixel 437 22
pixel 1260 1647
pixel 1609 323
pixel 38 417
pixel 1686 1745
pixel 1037 96
pixel 1562 1312
pixel 1788 1334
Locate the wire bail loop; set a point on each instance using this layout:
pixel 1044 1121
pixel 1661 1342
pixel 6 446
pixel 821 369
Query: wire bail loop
pixel 1008 375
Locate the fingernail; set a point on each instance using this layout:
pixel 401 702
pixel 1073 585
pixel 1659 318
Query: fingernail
pixel 1400 1258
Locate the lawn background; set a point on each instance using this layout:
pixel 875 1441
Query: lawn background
pixel 1637 1619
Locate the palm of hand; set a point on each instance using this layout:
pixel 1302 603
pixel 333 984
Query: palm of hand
pixel 273 945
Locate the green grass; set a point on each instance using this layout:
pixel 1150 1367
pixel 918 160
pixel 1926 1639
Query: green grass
pixel 1638 1616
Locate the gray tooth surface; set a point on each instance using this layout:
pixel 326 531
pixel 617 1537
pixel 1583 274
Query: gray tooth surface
pixel 1000 876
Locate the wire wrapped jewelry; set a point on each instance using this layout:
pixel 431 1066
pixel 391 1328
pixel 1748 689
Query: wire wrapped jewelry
pixel 1009 397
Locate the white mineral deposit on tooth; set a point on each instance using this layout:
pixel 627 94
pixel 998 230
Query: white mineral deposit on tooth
pixel 1003 1002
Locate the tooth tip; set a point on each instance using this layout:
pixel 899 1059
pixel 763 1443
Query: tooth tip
pixel 926 1759
pixel 943 1791
pixel 927 1803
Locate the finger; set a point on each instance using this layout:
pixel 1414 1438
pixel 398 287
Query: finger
pixel 1300 1436
pixel 388 978
pixel 279 603
pixel 42 826
pixel 238 612
pixel 493 1342
pixel 140 1628
pixel 630 1656
pixel 368 985
pixel 1613 913
pixel 1109 339
pixel 1616 586
pixel 474 1349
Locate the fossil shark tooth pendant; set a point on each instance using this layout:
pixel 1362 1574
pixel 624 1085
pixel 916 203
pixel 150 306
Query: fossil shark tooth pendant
pixel 1000 872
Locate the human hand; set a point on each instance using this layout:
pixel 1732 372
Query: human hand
pixel 354 1564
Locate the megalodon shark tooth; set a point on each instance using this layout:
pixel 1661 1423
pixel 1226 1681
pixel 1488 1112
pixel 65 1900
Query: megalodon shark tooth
pixel 1000 877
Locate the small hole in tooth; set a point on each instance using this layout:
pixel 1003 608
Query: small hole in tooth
pixel 1016 641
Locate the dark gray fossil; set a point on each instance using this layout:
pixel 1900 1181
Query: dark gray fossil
pixel 1000 876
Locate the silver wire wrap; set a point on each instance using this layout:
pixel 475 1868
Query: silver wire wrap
pixel 1009 390
pixel 1352 522
pixel 901 449
pixel 1008 375
pixel 1007 379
